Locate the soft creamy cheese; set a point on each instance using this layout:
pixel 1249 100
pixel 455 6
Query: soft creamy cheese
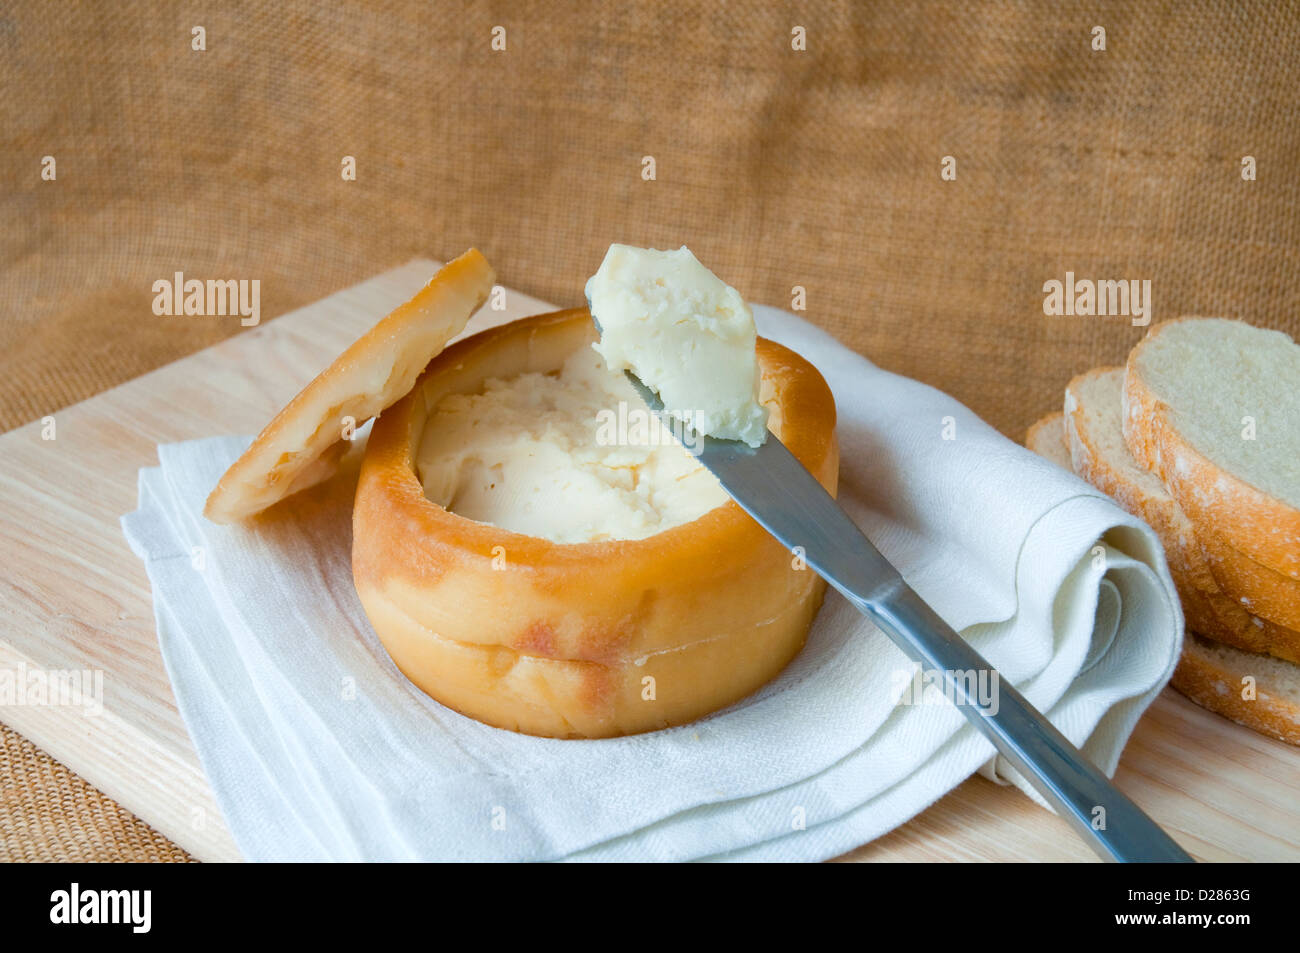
pixel 573 457
pixel 685 333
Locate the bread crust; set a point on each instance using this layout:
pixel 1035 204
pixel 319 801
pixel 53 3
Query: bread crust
pixel 303 443
pixel 1250 520
pixel 1217 686
pixel 1261 591
pixel 558 639
pixel 1202 675
pixel 1207 607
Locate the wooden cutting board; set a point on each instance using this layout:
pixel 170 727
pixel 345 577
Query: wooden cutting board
pixel 74 597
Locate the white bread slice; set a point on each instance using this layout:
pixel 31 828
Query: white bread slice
pixel 1214 676
pixel 1098 454
pixel 1189 387
pixel 1210 673
pixel 1047 439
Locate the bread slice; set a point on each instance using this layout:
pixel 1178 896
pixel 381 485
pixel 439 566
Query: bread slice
pixel 1256 691
pixel 1210 673
pixel 1047 439
pixel 304 442
pixel 1262 591
pixel 1093 411
pixel 1210 406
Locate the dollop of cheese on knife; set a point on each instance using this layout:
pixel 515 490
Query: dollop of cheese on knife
pixel 685 333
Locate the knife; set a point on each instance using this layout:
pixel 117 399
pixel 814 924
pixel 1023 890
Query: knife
pixel 773 487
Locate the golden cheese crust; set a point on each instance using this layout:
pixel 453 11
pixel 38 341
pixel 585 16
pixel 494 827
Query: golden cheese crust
pixel 303 443
pixel 580 639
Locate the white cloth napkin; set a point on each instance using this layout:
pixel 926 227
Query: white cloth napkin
pixel 319 749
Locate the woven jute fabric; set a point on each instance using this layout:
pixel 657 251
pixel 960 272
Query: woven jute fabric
pixel 783 168
pixel 47 813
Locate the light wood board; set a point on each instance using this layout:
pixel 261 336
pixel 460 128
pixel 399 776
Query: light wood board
pixel 74 597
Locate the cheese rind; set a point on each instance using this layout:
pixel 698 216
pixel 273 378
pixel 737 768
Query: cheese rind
pixel 685 333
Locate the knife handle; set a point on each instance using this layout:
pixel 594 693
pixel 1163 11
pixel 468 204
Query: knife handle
pixel 1115 827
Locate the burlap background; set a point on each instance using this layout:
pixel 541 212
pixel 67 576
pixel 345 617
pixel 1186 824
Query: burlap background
pixel 779 168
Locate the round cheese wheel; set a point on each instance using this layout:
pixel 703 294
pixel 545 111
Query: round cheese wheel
pixel 580 640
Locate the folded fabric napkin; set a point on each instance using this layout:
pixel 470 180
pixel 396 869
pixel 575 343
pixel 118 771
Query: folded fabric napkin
pixel 319 749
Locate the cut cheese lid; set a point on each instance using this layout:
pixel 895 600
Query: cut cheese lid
pixel 302 445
